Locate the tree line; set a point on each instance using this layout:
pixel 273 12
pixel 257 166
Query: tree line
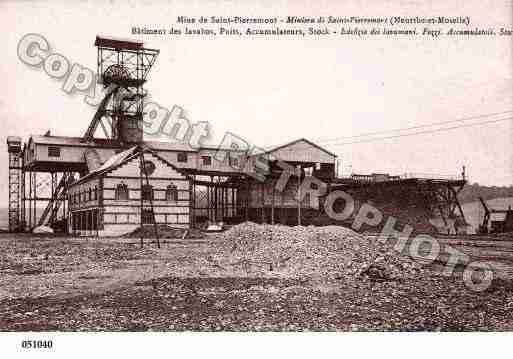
pixel 472 192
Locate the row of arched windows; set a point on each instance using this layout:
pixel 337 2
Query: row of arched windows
pixel 89 194
pixel 122 192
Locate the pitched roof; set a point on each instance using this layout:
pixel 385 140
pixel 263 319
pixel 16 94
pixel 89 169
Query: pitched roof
pixel 111 163
pixel 115 160
pixel 299 140
pixel 119 159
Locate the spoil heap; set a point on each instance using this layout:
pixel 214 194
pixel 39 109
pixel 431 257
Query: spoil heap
pixel 324 253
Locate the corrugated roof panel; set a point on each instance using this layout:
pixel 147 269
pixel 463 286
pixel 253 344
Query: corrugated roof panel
pixel 115 160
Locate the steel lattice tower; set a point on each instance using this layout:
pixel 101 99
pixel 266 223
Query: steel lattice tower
pixel 123 67
pixel 15 173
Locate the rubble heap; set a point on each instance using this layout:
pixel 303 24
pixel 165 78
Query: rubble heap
pixel 326 253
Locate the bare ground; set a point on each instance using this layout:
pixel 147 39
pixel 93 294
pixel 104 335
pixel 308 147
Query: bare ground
pixel 52 283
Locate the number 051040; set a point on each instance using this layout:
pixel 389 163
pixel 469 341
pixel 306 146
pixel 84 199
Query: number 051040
pixel 36 344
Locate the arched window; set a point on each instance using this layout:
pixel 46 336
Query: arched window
pixel 307 200
pixel 89 194
pixel 121 191
pixel 147 216
pixel 171 193
pixel 95 193
pixel 147 192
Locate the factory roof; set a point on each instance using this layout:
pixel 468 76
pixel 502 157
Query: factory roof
pixel 105 142
pixel 71 141
pixel 288 144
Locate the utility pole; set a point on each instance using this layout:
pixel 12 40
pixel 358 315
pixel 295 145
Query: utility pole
pixel 298 168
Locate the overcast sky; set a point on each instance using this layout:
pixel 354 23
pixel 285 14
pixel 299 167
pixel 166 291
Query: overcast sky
pixel 272 90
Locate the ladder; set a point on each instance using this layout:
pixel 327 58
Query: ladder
pixel 144 173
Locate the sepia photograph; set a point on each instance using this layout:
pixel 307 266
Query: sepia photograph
pixel 256 178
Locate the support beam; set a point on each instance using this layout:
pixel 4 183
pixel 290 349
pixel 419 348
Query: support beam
pixel 262 201
pixel 272 205
pixel 34 196
pixel 233 202
pixel 248 200
pixel 29 198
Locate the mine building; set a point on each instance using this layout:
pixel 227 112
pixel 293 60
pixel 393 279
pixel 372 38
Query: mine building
pixel 110 186
pixel 113 199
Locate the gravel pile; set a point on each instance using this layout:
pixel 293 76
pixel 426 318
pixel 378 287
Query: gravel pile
pixel 325 253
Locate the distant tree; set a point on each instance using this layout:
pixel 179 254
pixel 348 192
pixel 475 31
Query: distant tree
pixel 471 193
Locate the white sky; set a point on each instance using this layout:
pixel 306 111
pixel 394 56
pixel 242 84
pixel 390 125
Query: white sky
pixel 270 91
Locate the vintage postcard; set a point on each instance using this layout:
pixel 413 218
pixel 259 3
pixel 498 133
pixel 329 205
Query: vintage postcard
pixel 254 166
